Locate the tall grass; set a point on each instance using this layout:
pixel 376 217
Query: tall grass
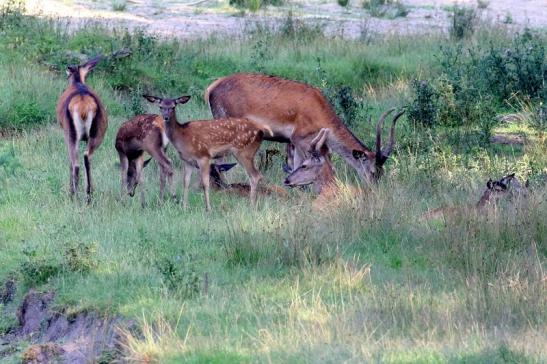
pixel 364 280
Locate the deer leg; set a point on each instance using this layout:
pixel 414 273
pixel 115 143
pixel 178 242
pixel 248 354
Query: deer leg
pixel 166 170
pixel 139 165
pixel 92 145
pixel 187 175
pixel 246 159
pixel 204 168
pixel 72 146
pixel 124 165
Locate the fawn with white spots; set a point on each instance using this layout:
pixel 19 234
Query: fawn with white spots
pixel 82 117
pixel 198 142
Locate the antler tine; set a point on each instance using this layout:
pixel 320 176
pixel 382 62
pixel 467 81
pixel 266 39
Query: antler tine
pixel 387 151
pixel 379 135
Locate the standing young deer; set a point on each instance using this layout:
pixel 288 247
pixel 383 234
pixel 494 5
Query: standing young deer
pixel 295 112
pixel 198 142
pixel 82 117
pixel 143 133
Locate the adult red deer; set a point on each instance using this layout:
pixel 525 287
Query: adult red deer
pixel 82 117
pixel 296 112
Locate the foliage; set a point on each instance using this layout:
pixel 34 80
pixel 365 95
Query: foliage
pixel 255 5
pixel 464 22
pixel 390 9
pixel 179 275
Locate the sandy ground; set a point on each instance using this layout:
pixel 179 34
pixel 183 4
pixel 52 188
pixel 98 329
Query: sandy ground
pixel 191 19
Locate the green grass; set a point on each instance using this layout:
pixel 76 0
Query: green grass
pixel 366 281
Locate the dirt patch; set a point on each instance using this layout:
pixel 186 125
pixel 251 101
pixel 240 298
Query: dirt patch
pixel 80 338
pixel 205 18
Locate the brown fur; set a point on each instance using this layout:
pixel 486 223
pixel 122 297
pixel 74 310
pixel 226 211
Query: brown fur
pixel 198 142
pixel 143 133
pixel 294 111
pixel 80 101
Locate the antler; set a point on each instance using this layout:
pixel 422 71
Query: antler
pixel 379 136
pixel 387 151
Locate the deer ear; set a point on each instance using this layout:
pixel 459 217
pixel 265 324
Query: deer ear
pixel 146 162
pixel 182 100
pixel 358 154
pixel 225 167
pixel 489 184
pixel 152 99
pixel 89 65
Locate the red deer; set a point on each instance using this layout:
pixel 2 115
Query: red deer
pixel 198 142
pixel 143 133
pixel 295 112
pixel 316 170
pixel 505 187
pixel 82 117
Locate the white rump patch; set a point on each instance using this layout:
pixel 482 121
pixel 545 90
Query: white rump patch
pixel 82 126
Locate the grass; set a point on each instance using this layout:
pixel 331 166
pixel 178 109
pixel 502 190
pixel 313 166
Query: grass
pixel 369 281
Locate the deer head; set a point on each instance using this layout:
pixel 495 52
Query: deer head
pixel 167 106
pixel 500 188
pixel 371 165
pixel 311 168
pixel 134 174
pixel 78 73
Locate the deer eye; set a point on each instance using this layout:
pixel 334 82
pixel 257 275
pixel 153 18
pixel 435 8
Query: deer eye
pixel 304 166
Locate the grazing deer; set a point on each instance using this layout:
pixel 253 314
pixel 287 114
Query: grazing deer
pixel 241 189
pixel 505 187
pixel 143 133
pixel 197 142
pixel 82 117
pixel 295 112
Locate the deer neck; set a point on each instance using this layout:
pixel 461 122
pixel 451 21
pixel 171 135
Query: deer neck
pixel 172 126
pixel 342 141
pixel 326 178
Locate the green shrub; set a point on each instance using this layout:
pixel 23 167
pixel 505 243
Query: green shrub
pixel 179 275
pixel 390 9
pixel 423 107
pixel 343 3
pixel 254 5
pixel 464 21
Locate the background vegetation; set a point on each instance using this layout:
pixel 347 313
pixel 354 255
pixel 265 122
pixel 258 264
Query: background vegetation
pixel 368 281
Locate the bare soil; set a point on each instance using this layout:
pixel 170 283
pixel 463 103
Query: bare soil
pixel 57 337
pixel 204 18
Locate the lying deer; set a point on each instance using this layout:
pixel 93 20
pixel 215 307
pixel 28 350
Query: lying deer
pixel 241 189
pixel 317 170
pixel 505 187
pixel 198 142
pixel 82 117
pixel 143 133
pixel 294 111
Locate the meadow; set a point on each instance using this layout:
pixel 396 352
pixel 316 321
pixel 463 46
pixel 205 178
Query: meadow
pixel 365 280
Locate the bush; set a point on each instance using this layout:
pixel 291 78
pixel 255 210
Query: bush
pixel 390 9
pixel 464 21
pixel 179 275
pixel 254 5
pixel 423 108
pixel 343 3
